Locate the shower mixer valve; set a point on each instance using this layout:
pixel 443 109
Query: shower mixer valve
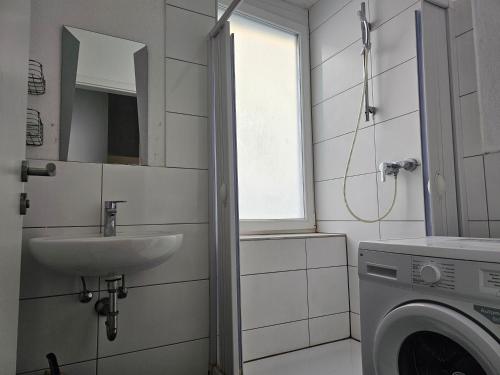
pixel 392 168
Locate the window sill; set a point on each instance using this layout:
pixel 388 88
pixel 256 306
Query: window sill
pixel 262 237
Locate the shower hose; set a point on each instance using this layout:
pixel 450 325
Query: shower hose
pixel 348 165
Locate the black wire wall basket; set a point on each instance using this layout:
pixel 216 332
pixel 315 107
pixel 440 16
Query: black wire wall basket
pixel 34 128
pixel 36 79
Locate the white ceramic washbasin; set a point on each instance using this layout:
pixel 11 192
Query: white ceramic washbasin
pixel 95 255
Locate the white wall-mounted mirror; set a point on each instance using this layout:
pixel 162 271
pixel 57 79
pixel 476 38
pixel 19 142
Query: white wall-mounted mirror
pixel 104 99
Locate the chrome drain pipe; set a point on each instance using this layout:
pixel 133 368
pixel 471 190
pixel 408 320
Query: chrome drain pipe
pixel 108 306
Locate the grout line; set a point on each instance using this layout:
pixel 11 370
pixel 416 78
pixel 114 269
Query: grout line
pixel 292 270
pixel 186 61
pixel 383 221
pixel 154 347
pixel 293 321
pixel 314 67
pixel 330 17
pixel 300 349
pixel 307 295
pixel 395 16
pixel 186 114
pixel 120 225
pixel 486 194
pixel 186 168
pixel 189 10
pixel 460 96
pixel 161 284
pixel 61 364
pixel 464 32
pixel 348 176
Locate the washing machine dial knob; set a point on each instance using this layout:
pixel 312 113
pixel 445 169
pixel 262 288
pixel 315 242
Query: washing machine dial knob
pixel 430 274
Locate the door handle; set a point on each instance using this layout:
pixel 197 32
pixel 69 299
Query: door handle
pixel 49 171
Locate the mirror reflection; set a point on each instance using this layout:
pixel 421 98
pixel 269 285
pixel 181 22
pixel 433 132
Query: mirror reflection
pixel 103 98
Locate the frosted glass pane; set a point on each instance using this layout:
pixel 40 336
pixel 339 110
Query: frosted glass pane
pixel 268 121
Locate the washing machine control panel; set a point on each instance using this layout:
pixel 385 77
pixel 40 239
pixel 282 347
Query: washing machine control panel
pixel 434 273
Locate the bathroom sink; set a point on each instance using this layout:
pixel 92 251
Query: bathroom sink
pixel 101 256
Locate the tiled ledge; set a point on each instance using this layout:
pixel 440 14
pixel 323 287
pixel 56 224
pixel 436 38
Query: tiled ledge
pixel 282 236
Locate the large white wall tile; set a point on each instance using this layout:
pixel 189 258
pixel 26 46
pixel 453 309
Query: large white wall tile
pixel 492 166
pixel 479 229
pixel 262 342
pixel 466 63
pixel 186 88
pixel 383 10
pixel 355 231
pixel 475 187
pixel 355 326
pixel 186 35
pixel 156 195
pixel 462 15
pixel 61 325
pixel 336 33
pixel 402 229
pixel 410 196
pixel 395 92
pixel 327 291
pixel 394 42
pixel 272 256
pixel 323 10
pixel 158 315
pixel 398 139
pixel 494 229
pixel 190 262
pixel 39 281
pixel 337 74
pixel 471 126
pixel 190 358
pixel 361 194
pixel 186 141
pixel 330 157
pixel 207 7
pixel 63 200
pixel 354 289
pixel 329 328
pixel 84 368
pixel 338 115
pixel 273 298
pixel 326 252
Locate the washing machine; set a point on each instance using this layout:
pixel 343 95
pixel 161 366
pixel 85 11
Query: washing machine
pixel 430 306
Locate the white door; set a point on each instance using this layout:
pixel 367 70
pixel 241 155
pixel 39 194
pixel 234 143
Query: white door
pixel 14 47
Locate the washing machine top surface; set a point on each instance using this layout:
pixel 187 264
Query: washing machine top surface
pixel 474 249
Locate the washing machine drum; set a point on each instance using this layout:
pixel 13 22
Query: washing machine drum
pixel 429 353
pixel 431 339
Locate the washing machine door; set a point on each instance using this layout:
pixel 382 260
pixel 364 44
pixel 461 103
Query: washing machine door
pixel 431 339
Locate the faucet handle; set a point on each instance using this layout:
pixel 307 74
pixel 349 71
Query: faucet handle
pixel 109 205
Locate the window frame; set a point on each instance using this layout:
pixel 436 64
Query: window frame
pixel 289 18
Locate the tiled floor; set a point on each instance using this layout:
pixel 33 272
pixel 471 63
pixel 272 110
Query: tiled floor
pixel 339 358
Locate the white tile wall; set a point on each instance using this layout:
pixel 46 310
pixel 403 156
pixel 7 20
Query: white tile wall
pixel 329 328
pixel 327 291
pixel 469 112
pixel 396 135
pixel 168 304
pixel 466 63
pixel 188 358
pixel 186 141
pixel 480 229
pixel 273 298
pixel 186 35
pixel 395 92
pixel 158 315
pixel 361 194
pixel 476 188
pixel 330 157
pixel 262 342
pixel 492 166
pixel 288 304
pixel 156 195
pixel 63 200
pixel 186 88
pixel 272 256
pixel 61 325
pixel 463 16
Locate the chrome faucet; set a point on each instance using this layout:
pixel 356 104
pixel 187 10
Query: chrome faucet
pixel 110 211
pixel 392 168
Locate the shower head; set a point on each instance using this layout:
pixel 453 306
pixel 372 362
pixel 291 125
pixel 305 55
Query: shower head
pixel 365 27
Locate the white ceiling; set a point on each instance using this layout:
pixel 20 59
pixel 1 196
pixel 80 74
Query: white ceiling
pixel 302 3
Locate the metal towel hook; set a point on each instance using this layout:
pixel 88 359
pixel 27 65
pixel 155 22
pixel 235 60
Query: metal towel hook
pixel 49 170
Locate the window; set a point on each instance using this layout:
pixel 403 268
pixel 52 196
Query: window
pixel 273 123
